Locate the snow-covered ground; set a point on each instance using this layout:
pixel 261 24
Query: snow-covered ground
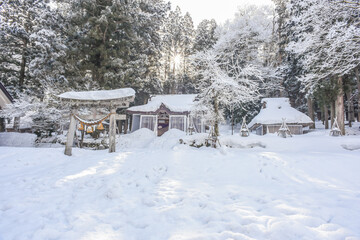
pixel 305 187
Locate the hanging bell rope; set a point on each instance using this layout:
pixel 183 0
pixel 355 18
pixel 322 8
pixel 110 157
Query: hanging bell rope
pixel 89 129
pixel 81 127
pixel 100 126
pixel 90 123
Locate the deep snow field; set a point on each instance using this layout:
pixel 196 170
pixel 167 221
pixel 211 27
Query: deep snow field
pixel 153 188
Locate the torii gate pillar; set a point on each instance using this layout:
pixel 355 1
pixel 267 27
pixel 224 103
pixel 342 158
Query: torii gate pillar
pixel 112 131
pixel 70 134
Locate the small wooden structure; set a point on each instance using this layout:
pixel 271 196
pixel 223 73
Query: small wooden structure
pixel 244 130
pixel 335 129
pixel 212 140
pixel 269 119
pixel 109 99
pixel 284 130
pixel 164 112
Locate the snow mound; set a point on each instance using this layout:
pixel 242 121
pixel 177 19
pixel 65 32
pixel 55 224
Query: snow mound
pixel 145 138
pixel 351 147
pixel 240 142
pixel 139 139
pixel 235 141
pixel 15 139
pixel 169 139
pixel 196 140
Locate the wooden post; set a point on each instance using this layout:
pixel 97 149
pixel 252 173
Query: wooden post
pixel 126 125
pixel 131 122
pixel 120 126
pixel 112 131
pixel 70 135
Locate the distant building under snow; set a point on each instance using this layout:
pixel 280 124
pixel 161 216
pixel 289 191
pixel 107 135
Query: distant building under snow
pixel 5 98
pixel 271 116
pixel 164 112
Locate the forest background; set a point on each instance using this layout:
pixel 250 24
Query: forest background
pixel 307 50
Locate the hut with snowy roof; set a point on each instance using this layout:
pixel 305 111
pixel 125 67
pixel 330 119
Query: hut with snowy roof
pixel 272 114
pixel 164 112
pixel 5 98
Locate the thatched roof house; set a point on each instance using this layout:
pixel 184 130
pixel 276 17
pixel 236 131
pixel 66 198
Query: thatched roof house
pixel 271 116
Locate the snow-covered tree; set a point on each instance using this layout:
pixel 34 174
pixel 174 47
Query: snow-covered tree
pixel 115 44
pixel 243 48
pixel 31 46
pixel 327 37
pixel 220 88
pixel 205 35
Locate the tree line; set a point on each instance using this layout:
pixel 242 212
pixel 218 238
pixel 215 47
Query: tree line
pixel 307 50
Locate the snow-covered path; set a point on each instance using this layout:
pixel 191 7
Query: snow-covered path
pixel 178 192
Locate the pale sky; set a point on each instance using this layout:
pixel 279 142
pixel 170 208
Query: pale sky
pixel 220 10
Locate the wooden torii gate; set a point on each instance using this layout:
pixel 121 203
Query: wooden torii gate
pixel 110 99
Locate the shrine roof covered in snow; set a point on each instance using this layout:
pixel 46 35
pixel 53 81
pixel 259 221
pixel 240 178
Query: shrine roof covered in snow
pixel 175 103
pixel 100 95
pixel 275 109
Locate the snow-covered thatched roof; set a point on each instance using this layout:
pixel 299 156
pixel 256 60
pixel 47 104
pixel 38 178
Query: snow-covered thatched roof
pixel 275 109
pixel 175 103
pixel 101 95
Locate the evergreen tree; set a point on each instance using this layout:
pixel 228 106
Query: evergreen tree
pixel 115 43
pixel 205 35
pixel 178 38
pixel 328 36
pixel 31 45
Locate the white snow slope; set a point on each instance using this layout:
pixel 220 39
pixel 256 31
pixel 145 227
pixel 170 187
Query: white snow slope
pixel 305 187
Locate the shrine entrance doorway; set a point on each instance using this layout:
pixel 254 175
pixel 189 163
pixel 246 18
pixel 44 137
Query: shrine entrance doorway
pixel 163 122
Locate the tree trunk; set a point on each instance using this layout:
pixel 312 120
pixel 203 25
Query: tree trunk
pixel 326 117
pixel 339 107
pixel 232 122
pixel 332 113
pixel 358 85
pixel 351 116
pixel 216 110
pixel 23 65
pixel 311 111
pixel 2 125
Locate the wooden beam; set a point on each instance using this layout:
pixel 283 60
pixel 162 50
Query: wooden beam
pixel 70 135
pixel 112 131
